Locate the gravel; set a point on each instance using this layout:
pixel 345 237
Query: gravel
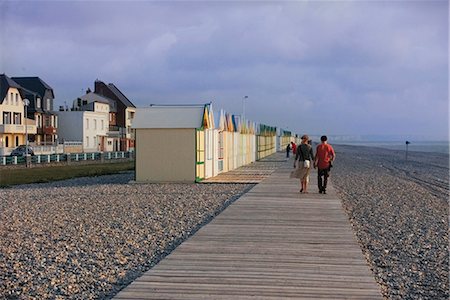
pixel 399 211
pixel 87 238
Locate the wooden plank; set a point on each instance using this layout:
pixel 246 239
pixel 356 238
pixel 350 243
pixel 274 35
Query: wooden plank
pixel 271 243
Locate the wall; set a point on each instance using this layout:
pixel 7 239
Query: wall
pixel 165 155
pixel 70 125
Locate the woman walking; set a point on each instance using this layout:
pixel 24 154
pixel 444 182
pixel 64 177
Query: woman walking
pixel 303 159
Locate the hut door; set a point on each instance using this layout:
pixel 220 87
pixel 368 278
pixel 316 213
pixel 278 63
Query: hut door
pixel 200 159
pixel 220 143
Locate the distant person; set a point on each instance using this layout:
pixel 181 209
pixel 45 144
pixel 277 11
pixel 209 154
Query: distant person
pixel 303 160
pixel 288 150
pixel 294 148
pixel 324 158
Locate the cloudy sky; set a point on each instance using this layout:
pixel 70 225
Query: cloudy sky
pixel 333 67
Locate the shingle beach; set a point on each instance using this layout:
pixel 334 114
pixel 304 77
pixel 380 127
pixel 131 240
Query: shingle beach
pixel 87 238
pixel 399 211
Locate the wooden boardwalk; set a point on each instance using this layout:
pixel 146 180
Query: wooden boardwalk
pixel 272 243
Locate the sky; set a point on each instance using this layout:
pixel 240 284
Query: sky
pixel 316 67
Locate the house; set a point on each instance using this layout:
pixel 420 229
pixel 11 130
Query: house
pixel 120 125
pixel 14 126
pixel 40 109
pixel 83 102
pixel 87 124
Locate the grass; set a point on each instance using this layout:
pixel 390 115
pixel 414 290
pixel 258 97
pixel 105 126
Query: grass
pixel 9 177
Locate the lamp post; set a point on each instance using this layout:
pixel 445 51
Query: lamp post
pixel 26 102
pixel 243 107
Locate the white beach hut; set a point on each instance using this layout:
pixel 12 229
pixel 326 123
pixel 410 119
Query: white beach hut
pixel 174 143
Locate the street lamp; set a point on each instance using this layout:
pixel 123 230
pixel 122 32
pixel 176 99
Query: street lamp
pixel 243 107
pixel 26 102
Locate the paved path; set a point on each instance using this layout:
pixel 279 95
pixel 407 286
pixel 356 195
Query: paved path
pixel 272 243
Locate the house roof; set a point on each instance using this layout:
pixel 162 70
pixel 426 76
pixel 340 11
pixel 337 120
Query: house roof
pixel 5 84
pixel 34 84
pixel 94 97
pixel 120 95
pixel 177 116
pixel 32 96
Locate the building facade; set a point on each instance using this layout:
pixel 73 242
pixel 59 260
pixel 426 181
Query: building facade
pixel 88 126
pixel 14 126
pixel 120 123
pixel 40 109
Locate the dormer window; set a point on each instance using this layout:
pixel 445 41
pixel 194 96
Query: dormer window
pixel 48 104
pixel 38 102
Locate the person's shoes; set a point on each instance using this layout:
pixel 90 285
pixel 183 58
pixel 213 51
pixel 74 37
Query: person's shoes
pixel 301 190
pixel 320 191
pixel 324 191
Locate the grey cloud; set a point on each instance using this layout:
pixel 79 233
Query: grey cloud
pixel 299 62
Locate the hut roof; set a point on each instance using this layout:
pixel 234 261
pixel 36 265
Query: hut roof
pixel 175 116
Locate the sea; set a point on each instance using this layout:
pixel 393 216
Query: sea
pixel 421 146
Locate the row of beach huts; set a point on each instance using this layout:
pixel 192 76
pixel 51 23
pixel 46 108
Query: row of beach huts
pixel 190 143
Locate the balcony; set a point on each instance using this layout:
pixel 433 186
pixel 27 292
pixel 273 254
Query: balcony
pixel 17 128
pixel 46 130
pixel 114 128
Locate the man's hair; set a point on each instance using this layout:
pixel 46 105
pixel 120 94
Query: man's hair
pixel 323 138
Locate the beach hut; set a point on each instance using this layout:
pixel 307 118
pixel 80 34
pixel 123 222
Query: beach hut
pixel 174 143
pixel 265 141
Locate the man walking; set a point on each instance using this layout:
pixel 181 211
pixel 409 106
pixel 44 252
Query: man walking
pixel 323 161
pixel 288 149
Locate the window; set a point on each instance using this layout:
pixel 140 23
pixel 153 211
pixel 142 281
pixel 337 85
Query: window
pixel 39 121
pixel 11 98
pixel 6 118
pixel 48 105
pixel 17 118
pixel 7 142
pixel 87 142
pixel 17 99
pixel 38 102
pixel 103 125
pixel 47 121
pixel 87 123
pixel 95 124
pixel 95 141
pixel 17 141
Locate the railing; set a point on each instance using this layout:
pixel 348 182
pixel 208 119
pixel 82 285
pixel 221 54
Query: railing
pixel 17 128
pixel 46 130
pixel 68 158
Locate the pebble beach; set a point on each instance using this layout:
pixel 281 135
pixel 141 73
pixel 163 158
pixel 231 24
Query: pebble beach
pixel 399 212
pixel 87 238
